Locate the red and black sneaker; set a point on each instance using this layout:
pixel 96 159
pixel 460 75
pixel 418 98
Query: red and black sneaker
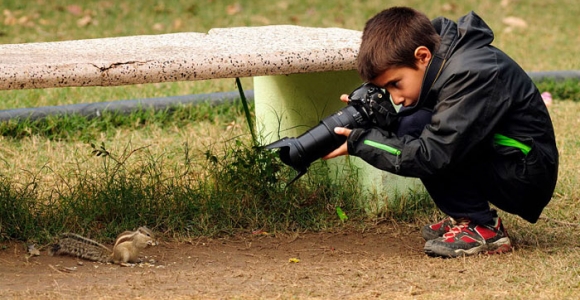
pixel 433 231
pixel 467 238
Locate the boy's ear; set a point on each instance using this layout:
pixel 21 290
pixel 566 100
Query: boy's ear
pixel 422 56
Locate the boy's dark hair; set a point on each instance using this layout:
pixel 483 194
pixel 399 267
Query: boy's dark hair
pixel 390 39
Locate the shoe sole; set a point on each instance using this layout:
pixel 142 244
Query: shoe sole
pixel 500 246
pixel 430 234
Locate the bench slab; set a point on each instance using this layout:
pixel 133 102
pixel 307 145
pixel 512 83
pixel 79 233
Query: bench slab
pixel 221 53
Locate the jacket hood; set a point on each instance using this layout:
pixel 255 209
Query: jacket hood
pixel 469 31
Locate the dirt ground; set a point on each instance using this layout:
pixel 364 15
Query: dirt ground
pixel 382 262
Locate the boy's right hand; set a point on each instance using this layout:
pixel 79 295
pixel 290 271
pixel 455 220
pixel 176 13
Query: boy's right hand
pixel 343 149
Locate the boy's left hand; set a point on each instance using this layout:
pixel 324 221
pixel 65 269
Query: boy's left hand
pixel 343 149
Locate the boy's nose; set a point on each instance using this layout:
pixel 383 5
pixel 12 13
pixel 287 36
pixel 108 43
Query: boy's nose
pixel 396 99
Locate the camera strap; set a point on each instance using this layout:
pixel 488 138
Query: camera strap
pixel 433 71
pixel 387 113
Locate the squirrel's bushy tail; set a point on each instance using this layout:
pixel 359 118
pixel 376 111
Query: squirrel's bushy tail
pixel 79 246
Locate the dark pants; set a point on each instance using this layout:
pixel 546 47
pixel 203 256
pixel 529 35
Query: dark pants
pixel 503 176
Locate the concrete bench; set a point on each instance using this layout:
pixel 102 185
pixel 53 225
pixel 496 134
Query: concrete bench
pixel 298 72
pixel 221 53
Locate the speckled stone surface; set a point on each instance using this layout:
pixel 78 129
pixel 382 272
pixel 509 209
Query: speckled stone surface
pixel 221 53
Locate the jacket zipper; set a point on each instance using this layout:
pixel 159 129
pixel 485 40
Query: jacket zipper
pixel 388 149
pixel 503 140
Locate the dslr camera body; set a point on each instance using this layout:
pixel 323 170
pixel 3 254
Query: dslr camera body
pixel 368 106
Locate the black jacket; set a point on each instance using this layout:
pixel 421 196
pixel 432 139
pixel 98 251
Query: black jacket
pixel 479 93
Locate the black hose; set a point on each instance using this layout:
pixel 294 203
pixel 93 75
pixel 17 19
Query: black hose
pixel 554 75
pixel 122 106
pixel 128 106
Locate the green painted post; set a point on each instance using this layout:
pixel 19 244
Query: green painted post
pixel 288 105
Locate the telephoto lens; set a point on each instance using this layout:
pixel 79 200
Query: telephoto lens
pixel 320 140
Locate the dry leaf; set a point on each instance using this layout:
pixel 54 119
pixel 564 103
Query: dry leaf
pixel 448 7
pixel 259 232
pixel 515 22
pixel 23 20
pixel 9 18
pixel 26 21
pixel 177 24
pixel 258 19
pixel 233 9
pixel 232 125
pixel 84 21
pixel 74 9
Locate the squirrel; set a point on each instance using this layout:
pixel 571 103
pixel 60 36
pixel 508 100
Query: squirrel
pixel 126 250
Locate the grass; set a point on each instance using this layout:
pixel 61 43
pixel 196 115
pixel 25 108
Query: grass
pixel 547 42
pixel 164 169
pixel 193 170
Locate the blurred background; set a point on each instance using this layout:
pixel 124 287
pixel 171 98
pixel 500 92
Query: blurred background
pixel 539 35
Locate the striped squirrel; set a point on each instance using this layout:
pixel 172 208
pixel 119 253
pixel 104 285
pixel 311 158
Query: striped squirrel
pixel 127 247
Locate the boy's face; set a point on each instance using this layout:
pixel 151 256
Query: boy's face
pixel 404 83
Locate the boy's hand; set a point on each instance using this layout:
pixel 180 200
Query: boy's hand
pixel 342 150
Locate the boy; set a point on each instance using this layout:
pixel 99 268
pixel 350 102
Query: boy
pixel 473 126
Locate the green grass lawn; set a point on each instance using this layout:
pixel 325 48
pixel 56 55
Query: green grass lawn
pixel 193 171
pixel 51 160
pixel 543 37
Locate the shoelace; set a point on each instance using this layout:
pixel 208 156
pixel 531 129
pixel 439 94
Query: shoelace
pixel 457 228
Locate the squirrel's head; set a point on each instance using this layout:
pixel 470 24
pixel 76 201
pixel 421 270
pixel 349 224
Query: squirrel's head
pixel 145 236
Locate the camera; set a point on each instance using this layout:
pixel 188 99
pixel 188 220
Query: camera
pixel 368 106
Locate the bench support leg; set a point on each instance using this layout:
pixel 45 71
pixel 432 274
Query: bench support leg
pixel 288 105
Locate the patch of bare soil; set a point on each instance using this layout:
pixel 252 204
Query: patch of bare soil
pixel 385 261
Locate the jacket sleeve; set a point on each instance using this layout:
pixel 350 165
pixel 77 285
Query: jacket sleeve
pixel 468 109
